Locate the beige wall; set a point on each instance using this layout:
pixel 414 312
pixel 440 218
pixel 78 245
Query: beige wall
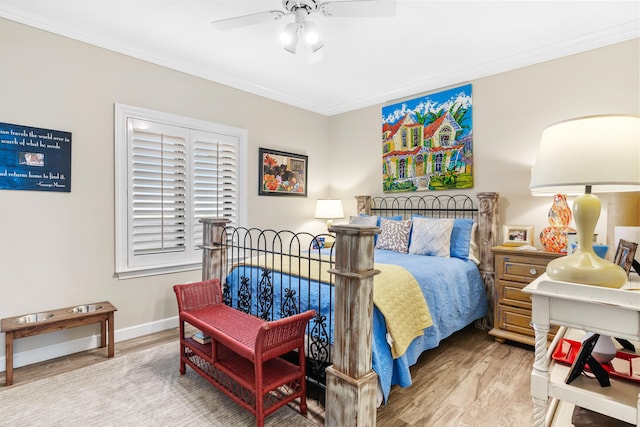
pixel 510 110
pixel 57 249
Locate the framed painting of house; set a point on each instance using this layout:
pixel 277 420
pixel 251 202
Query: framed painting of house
pixel 427 142
pixel 282 174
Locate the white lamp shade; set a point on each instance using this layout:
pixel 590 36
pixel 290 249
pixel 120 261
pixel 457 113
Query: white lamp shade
pixel 329 209
pixel 600 151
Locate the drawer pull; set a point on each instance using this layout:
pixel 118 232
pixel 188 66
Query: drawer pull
pixel 533 271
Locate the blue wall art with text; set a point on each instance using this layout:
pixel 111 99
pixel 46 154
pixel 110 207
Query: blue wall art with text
pixel 34 159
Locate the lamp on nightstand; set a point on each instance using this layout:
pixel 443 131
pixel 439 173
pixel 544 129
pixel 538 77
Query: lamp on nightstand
pixel 591 155
pixel 329 209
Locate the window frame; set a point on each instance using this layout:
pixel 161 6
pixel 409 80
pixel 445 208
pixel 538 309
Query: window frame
pixel 123 268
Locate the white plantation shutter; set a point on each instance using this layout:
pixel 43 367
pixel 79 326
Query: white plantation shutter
pixel 214 178
pixel 158 211
pixel 170 173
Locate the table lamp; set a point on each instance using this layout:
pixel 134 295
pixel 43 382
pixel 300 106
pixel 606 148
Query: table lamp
pixel 329 209
pixel 588 155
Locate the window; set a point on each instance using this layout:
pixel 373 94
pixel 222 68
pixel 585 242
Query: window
pixel 438 158
pixel 416 136
pixel 445 136
pixel 171 171
pixel 403 168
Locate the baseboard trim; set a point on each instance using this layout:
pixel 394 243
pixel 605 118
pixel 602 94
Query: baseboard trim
pixel 41 354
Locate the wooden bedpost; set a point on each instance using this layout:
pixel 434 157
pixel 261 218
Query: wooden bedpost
pixel 363 205
pixel 214 256
pixel 351 383
pixel 487 238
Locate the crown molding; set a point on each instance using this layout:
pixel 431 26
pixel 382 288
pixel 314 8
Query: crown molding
pixel 620 33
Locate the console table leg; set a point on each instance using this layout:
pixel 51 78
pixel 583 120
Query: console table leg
pixel 8 375
pixel 540 376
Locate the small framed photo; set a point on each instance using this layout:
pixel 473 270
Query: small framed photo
pixel 318 243
pixel 585 357
pixel 282 174
pixel 624 254
pixel 517 235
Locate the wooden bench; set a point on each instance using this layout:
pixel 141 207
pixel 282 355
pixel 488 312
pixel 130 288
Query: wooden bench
pixel 56 320
pixel 243 358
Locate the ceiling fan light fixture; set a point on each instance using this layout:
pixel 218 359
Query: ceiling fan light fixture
pixel 306 32
pixel 291 49
pixel 289 37
pixel 315 56
pixel 312 36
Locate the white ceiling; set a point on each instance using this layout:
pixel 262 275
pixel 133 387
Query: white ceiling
pixel 428 44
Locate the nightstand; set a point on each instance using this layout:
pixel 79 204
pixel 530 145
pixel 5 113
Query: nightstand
pixel 515 269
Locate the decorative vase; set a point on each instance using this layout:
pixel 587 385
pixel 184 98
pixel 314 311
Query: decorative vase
pixel 560 213
pixel 554 238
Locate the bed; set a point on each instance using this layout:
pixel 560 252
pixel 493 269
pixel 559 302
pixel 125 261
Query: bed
pixel 274 274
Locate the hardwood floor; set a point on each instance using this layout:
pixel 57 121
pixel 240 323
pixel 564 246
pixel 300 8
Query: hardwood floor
pixel 469 380
pixel 37 371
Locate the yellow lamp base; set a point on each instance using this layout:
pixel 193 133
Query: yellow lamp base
pixel 329 224
pixel 586 268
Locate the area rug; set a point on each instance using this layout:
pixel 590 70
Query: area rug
pixel 140 389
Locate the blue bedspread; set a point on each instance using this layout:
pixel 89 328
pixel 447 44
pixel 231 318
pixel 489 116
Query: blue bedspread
pixel 453 289
pixel 455 295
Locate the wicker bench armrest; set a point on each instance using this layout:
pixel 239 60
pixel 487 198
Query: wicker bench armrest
pixel 281 336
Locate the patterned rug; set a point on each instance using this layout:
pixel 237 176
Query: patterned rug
pixel 139 389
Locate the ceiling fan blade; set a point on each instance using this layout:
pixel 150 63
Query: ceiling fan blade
pixel 246 20
pixel 359 8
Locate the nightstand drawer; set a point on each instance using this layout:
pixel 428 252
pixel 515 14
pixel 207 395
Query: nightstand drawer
pixel 522 272
pixel 513 319
pixel 510 293
pixel 518 320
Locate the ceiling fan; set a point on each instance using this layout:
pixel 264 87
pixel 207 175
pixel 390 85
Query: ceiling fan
pixel 302 30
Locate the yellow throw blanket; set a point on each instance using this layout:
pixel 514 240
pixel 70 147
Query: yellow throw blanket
pixel 399 298
pixel 396 293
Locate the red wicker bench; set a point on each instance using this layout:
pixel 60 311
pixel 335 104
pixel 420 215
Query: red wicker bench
pixel 243 358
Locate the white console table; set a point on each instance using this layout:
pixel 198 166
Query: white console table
pixel 607 311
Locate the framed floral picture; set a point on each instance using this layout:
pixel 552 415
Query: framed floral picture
pixel 282 174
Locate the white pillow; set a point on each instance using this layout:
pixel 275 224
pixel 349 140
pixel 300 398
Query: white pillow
pixel 474 250
pixel 431 236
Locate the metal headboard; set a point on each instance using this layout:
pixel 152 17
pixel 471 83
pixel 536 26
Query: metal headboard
pixel 435 206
